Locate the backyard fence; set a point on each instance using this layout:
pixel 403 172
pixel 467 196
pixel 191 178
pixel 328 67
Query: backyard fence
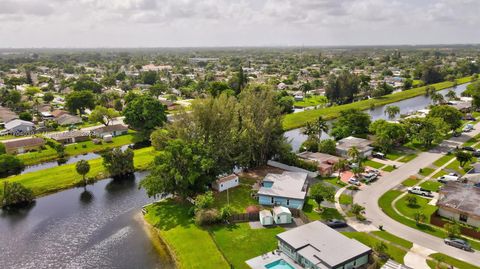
pixel 436 220
pixel 291 168
pixel 244 217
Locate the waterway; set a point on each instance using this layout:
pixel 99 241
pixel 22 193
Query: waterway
pixel 97 228
pixel 406 106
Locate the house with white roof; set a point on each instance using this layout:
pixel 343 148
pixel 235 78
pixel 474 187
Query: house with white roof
pixel 288 189
pixel 18 126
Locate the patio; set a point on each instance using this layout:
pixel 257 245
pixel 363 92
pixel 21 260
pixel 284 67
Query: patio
pixel 260 262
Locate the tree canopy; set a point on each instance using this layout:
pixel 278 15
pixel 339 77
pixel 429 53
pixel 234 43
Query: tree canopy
pixel 144 113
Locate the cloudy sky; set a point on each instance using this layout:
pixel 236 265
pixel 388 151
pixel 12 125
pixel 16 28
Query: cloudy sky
pixel 187 23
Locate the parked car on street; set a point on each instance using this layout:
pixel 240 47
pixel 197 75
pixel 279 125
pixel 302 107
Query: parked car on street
pixel 354 181
pixel 458 243
pixel 378 155
pixel 336 223
pixel 447 178
pixel 468 148
pixel 468 128
pixel 420 191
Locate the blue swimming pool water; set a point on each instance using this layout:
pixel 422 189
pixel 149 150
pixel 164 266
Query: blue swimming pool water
pixel 280 264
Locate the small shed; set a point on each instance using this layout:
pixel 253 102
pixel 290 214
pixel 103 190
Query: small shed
pixel 107 138
pixel 226 182
pixel 282 215
pixel 266 217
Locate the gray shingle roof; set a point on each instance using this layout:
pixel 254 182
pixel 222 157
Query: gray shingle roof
pixel 288 185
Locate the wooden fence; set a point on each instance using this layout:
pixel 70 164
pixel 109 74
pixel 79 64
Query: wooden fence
pixel 437 220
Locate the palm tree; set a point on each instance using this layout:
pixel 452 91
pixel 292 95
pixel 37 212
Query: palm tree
pixel 309 129
pixel 392 111
pixel 353 153
pixel 83 167
pixel 321 126
pixel 340 166
pixel 451 94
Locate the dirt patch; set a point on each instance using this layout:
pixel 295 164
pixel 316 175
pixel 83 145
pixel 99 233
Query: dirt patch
pixel 261 172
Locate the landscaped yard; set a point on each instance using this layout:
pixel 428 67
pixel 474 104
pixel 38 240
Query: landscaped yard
pixel 388 168
pixel 240 243
pixel 334 181
pixel 239 198
pixel 394 252
pixel 422 206
pixel 394 239
pixel 373 164
pixel 65 176
pixel 443 160
pixel 313 100
pixel 50 154
pixel 327 213
pixel 411 181
pixel 408 157
pixel 296 120
pixel 449 260
pixel 346 199
pixel 426 171
pixel 193 247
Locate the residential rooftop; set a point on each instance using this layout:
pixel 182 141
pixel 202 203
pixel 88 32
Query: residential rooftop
pixel 288 185
pixel 351 141
pixel 461 197
pixel 322 245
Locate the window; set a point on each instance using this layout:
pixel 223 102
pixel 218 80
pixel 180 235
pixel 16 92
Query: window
pixel 221 185
pixel 463 218
pixel 288 201
pixel 272 200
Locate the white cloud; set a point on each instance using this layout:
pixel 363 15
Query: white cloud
pixel 240 22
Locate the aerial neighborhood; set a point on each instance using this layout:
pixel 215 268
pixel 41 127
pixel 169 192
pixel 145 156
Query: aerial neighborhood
pixel 237 158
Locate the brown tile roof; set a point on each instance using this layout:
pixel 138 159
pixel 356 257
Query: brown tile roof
pixel 24 142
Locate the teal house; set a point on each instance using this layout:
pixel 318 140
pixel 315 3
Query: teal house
pixel 288 189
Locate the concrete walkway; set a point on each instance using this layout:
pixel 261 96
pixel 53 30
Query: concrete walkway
pixel 417 257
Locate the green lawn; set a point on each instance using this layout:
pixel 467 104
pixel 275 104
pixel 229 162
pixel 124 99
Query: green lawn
pixel 422 206
pixel 65 176
pixel 385 202
pixel 409 182
pixel 239 198
pixel 388 168
pixel 426 171
pixel 346 199
pixel 50 154
pixel 394 252
pixel 451 261
pixel 443 160
pixel 431 185
pixel 455 165
pixel 192 246
pixel 394 239
pixel 373 164
pixel 334 181
pixel 296 120
pixel 439 174
pixel 327 213
pixel 240 243
pixel 408 157
pixel 313 100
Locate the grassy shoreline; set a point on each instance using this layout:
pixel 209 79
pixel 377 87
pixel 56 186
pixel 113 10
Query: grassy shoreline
pixel 62 177
pixel 297 120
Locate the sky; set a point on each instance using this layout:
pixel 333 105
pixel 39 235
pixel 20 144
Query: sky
pixel 212 23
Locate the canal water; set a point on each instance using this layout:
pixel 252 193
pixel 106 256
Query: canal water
pixel 98 228
pixel 406 106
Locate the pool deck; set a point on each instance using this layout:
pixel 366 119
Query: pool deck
pixel 267 258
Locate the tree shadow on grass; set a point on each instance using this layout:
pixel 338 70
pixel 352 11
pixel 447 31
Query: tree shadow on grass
pixel 169 214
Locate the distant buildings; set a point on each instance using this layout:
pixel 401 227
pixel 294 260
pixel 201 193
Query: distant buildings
pixel 23 145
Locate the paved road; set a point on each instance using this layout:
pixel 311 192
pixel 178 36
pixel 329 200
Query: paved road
pixel 369 196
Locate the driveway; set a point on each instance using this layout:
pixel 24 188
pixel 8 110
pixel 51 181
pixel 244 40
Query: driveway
pixel 370 194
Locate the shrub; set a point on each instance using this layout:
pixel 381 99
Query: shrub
pixel 226 212
pixel 10 165
pixel 207 217
pixel 204 201
pixel 16 194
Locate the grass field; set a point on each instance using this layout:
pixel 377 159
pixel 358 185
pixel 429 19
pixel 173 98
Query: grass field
pixel 327 213
pixel 296 120
pixel 443 160
pixel 239 198
pixel 313 100
pixel 409 182
pixel 431 185
pixel 450 261
pixel 192 246
pixel 373 164
pixel 240 243
pixel 50 154
pixel 422 206
pixel 65 176
pixel 408 158
pixel 426 171
pixel 394 252
pixel 394 239
pixel 346 199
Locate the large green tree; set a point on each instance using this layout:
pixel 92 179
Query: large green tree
pixel 426 130
pixel 103 115
pixel 118 162
pixel 144 113
pixel 387 134
pixel 321 192
pixel 181 169
pixel 10 165
pixel 351 122
pixel 449 114
pixel 78 101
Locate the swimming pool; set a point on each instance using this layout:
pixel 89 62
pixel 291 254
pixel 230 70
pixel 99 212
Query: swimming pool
pixel 280 264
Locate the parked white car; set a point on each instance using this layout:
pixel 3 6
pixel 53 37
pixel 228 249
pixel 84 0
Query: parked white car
pixel 447 178
pixel 354 181
pixel 419 191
